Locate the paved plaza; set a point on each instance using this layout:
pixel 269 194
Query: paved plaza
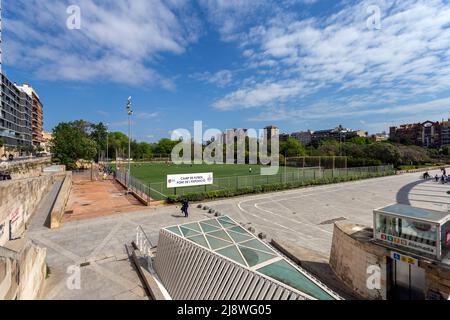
pixel 303 216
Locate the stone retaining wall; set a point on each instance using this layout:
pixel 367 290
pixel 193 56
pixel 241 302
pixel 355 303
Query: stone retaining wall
pixel 25 168
pixel 22 274
pixel 352 256
pixel 19 200
pixel 437 279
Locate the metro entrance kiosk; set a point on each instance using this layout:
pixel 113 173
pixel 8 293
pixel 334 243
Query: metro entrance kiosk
pixel 412 234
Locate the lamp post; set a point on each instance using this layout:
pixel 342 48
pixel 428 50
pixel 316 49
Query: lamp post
pixel 107 143
pixel 130 113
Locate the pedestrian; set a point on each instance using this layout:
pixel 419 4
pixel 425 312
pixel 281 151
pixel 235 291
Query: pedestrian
pixel 436 178
pixel 185 208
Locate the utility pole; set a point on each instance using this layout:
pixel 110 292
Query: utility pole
pixel 130 113
pixel 107 143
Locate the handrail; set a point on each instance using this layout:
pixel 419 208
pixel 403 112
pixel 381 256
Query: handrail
pixel 142 241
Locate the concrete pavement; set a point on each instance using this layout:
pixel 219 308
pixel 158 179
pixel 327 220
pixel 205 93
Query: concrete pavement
pixel 303 216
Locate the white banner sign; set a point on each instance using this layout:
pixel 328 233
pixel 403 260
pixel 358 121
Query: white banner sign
pixel 190 180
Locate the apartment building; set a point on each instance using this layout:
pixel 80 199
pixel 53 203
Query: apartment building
pixel 303 138
pixel 15 115
pixel 445 133
pixel 428 134
pixel 272 131
pixel 37 115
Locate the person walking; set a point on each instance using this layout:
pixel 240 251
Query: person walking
pixel 185 208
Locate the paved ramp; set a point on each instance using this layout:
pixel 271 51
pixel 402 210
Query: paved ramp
pixel 41 218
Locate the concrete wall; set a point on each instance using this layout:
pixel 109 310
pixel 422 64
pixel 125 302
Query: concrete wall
pixel 61 201
pixel 352 255
pixel 18 201
pixel 26 168
pixel 437 279
pixel 22 274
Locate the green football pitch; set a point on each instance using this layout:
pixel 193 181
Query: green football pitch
pixel 226 177
pixel 153 176
pixel 154 173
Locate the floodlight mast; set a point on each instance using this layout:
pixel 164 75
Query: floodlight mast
pixel 130 113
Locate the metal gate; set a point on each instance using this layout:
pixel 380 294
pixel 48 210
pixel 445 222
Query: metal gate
pixel 408 281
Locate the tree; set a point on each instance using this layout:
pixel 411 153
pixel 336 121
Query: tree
pixel 329 148
pixel 292 148
pixel 118 145
pixel 385 152
pixel 165 146
pixel 99 133
pixel 360 140
pixel 71 143
pixel 142 151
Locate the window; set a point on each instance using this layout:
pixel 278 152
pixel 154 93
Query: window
pixel 407 229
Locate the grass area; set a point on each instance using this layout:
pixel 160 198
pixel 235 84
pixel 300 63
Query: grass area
pixel 154 173
pixel 237 177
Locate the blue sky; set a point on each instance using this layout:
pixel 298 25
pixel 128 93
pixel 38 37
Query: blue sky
pixel 298 64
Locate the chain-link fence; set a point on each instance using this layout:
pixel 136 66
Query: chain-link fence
pixel 135 186
pixel 287 175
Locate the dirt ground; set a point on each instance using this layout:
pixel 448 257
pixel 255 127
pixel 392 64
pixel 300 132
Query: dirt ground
pixel 91 199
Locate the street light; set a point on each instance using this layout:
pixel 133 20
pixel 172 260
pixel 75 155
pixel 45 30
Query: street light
pixel 107 143
pixel 130 113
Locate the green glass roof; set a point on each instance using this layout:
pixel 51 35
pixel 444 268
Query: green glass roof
pixel 208 228
pixel 284 272
pixel 200 240
pixel 255 257
pixel 227 238
pixel 188 232
pixel 238 237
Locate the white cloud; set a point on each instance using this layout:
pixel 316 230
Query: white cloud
pixel 406 58
pixel 221 78
pixel 147 115
pixel 328 110
pixel 119 40
pixel 260 94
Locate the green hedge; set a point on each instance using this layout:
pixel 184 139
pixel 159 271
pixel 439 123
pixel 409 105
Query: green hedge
pixel 219 194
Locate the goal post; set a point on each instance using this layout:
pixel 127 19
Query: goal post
pixel 322 162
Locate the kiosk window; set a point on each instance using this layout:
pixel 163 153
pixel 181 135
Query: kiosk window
pixel 407 229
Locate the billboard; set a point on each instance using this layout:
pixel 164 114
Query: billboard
pixel 190 180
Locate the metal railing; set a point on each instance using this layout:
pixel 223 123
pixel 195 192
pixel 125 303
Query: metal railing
pixel 144 245
pixel 134 185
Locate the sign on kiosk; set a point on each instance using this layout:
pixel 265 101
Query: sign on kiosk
pixel 190 180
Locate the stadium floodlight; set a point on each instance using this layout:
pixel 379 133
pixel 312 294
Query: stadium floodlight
pixel 130 113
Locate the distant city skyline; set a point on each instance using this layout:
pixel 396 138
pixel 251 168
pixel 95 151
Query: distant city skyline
pixel 302 64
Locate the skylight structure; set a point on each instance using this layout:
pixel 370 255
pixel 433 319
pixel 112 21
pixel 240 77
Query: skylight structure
pixel 217 259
